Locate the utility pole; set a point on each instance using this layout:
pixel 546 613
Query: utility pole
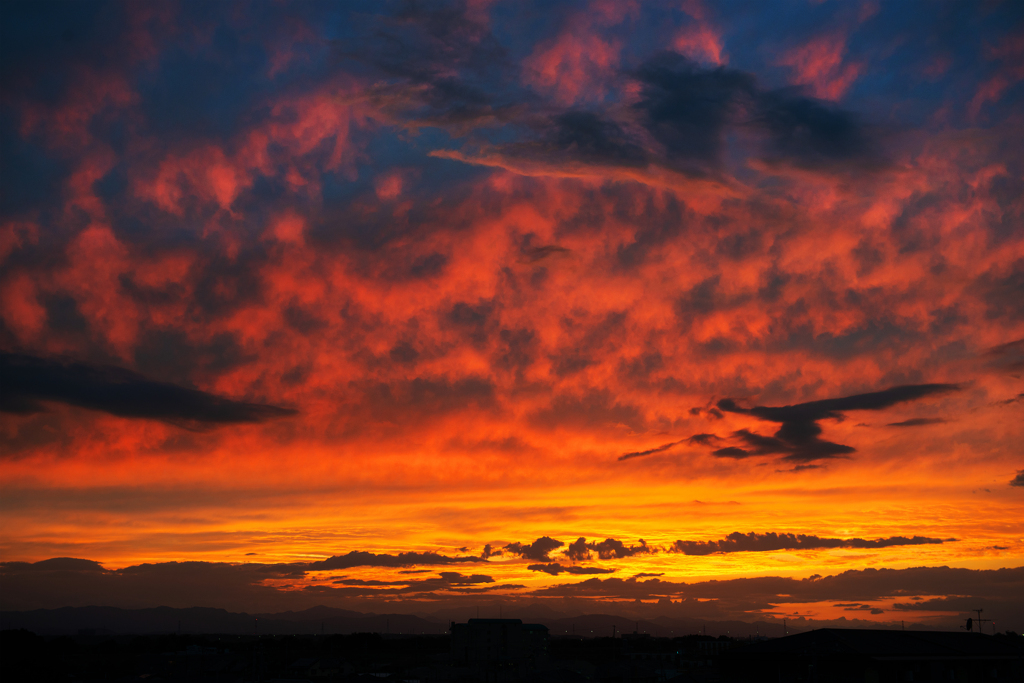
pixel 981 622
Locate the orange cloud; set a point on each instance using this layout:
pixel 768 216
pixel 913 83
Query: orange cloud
pixel 819 63
pixel 700 40
pixel 477 319
pixel 575 65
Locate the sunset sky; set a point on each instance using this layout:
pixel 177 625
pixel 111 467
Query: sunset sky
pixel 395 306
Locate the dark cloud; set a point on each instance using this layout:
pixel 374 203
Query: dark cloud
pixel 657 225
pixel 365 582
pixel 594 409
pixel 403 353
pixel 587 136
pixel 590 340
pixel 862 608
pixel 578 550
pixel 68 582
pixel 687 108
pixel 444 581
pixel 1007 357
pixel 732 452
pixel 607 549
pixel 55 564
pixel 1018 480
pixel 472 320
pixel 361 558
pixel 422 398
pixel 918 422
pixel 754 542
pixel 650 451
pixel 53 584
pixel 801 468
pixel 581 137
pixel 798 437
pixel 612 548
pixel 615 587
pixel 702 299
pixel 761 445
pixel 533 254
pixel 860 586
pixel 834 407
pixel 681 120
pixel 28 380
pixel 554 568
pixel 450 580
pixel 810 133
pixel 1001 292
pixel 442 66
pixel 516 349
pixel 703 439
pixel 538 550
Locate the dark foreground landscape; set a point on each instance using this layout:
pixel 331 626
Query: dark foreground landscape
pixel 123 645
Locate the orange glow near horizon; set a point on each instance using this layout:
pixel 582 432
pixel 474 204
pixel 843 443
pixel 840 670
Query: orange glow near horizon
pixel 533 288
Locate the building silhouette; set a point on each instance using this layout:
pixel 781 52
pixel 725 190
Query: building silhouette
pixel 498 650
pixel 877 656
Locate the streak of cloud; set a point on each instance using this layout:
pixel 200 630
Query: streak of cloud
pixel 737 542
pixel 918 422
pixel 798 437
pixel 361 558
pixel 29 380
pixel 555 568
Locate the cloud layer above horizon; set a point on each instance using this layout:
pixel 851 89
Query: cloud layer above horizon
pixel 410 278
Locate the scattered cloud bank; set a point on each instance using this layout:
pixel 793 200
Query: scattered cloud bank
pixel 607 549
pixel 75 582
pixel 538 550
pixel 754 542
pixel 359 558
pixel 309 261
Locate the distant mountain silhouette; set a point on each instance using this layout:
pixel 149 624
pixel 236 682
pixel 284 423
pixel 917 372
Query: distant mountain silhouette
pixel 72 620
pixel 329 620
